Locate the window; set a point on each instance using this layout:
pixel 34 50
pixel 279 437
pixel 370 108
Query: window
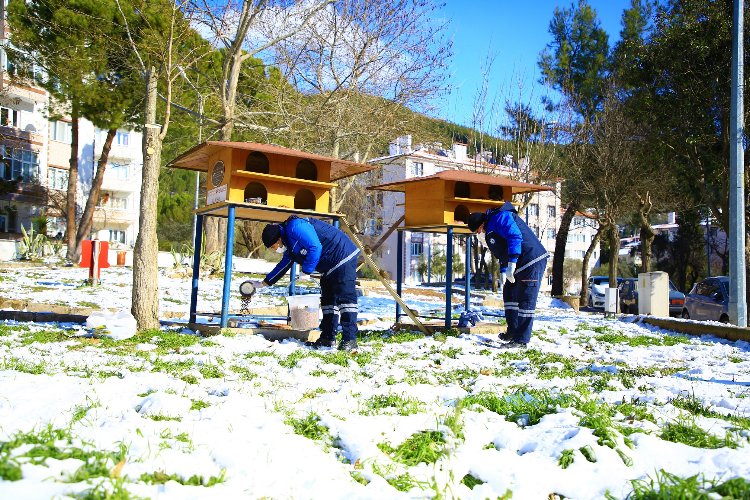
pixel 117 235
pixel 122 138
pixel 550 210
pixel 60 131
pixel 417 248
pixel 549 280
pixel 9 117
pixel 374 226
pixel 18 164
pixel 118 203
pixel 57 178
pixel 120 172
pixel 551 234
pixel 417 169
pixel 535 230
pixel 534 210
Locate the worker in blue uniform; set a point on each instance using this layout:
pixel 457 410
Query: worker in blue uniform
pixel 523 260
pixel 318 246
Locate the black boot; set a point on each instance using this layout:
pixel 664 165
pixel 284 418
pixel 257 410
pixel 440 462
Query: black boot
pixel 322 342
pixel 348 345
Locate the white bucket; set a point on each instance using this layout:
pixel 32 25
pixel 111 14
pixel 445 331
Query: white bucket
pixel 304 311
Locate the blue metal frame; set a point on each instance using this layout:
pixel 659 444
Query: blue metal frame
pixel 448 276
pixel 399 269
pixel 467 275
pixel 228 266
pixel 197 249
pixel 293 279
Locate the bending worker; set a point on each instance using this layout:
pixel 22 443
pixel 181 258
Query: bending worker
pixel 318 246
pixel 523 260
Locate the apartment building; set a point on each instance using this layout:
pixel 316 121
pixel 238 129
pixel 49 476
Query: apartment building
pixel 542 211
pixel 35 158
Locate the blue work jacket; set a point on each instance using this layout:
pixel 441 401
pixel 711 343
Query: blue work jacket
pixel 314 245
pixel 511 240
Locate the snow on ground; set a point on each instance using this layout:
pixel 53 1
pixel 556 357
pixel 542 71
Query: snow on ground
pixel 592 405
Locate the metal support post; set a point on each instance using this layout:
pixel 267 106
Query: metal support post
pixel 429 261
pixel 467 274
pixel 293 279
pixel 197 248
pixel 737 286
pixel 399 269
pixel 227 267
pixel 448 276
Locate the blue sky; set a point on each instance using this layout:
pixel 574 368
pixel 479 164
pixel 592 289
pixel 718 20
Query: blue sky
pixel 515 31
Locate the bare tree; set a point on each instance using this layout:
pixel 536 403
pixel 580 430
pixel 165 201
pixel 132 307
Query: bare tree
pixel 159 33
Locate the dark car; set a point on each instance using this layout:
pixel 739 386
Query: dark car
pixel 629 297
pixel 708 300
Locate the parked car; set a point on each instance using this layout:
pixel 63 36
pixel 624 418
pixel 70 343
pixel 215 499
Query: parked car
pixel 708 300
pixel 629 297
pixel 597 285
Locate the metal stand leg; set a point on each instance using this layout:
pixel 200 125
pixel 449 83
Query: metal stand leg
pixel 467 275
pixel 399 269
pixel 448 276
pixel 197 249
pixel 227 267
pixel 293 279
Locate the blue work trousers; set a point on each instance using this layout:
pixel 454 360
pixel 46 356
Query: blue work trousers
pixel 520 301
pixel 338 299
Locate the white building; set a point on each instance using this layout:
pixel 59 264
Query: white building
pixel 405 162
pixel 36 152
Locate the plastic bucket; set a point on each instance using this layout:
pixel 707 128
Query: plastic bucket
pixel 304 311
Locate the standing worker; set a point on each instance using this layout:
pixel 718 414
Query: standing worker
pixel 318 246
pixel 523 260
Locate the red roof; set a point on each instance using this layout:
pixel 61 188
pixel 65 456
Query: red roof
pixel 197 157
pixel 465 176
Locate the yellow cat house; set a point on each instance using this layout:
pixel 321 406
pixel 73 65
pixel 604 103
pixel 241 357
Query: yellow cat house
pixel 265 182
pixel 447 198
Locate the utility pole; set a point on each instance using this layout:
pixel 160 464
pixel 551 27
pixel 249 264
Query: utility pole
pixel 200 140
pixel 737 300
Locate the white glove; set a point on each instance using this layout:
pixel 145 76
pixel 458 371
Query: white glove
pixel 503 277
pixel 511 271
pixel 303 277
pixel 258 284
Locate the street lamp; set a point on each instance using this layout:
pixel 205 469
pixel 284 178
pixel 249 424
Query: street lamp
pixel 200 140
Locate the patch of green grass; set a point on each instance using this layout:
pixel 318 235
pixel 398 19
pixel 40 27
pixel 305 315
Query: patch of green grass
pixel 470 481
pixel 400 405
pixel 175 368
pixel 92 305
pixel 567 457
pixel 160 477
pixel 199 404
pixel 736 359
pixel 415 377
pixel 211 371
pixel 80 411
pixel 322 373
pixel 292 359
pixel 244 373
pixel 685 431
pixel 525 407
pixel 667 486
pixel 598 416
pixel 164 418
pixel 357 476
pixel 402 482
pixel 309 427
pixel 19 365
pixel 43 336
pixel 461 376
pixel 424 446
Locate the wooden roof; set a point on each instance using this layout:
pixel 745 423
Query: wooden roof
pixel 197 157
pixel 466 176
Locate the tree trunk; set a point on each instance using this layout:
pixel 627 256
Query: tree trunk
pixel 84 226
pixel 70 207
pixel 585 264
pixel 647 233
pixel 145 300
pixel 558 259
pixel 614 254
